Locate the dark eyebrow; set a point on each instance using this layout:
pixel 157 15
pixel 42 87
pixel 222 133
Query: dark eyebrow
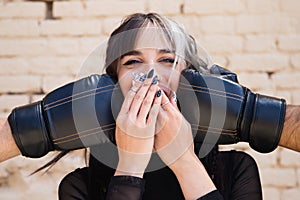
pixel 131 53
pixel 166 51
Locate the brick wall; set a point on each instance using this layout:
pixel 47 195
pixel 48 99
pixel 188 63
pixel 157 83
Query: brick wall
pixel 260 40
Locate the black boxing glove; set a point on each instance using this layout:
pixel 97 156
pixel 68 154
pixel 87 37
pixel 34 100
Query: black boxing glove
pixel 73 116
pixel 228 112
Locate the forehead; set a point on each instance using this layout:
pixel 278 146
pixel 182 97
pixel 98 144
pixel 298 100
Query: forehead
pixel 152 37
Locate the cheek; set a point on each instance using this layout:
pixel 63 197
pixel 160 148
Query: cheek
pixel 171 77
pixel 125 81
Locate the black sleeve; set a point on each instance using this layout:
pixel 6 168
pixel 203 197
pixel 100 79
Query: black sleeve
pixel 241 177
pixel 125 188
pixel 214 195
pixel 74 186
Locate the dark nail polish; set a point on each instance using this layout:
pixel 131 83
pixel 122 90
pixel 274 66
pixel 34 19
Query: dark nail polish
pixel 155 80
pixel 143 78
pixel 150 74
pixel 158 94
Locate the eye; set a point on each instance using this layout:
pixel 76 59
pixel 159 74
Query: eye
pixel 167 60
pixel 132 61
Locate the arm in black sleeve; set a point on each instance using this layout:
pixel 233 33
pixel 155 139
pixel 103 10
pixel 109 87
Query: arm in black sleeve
pixel 125 188
pixel 246 182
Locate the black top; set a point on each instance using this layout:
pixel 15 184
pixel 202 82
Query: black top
pixel 236 177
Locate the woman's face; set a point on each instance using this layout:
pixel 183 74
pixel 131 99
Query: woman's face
pixel 151 53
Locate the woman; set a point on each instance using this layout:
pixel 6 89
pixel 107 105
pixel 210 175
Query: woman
pixel 146 54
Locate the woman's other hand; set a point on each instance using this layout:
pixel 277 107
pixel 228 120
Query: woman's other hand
pixel 173 137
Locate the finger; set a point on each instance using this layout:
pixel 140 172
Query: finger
pixel 147 103
pixel 165 102
pixel 154 111
pixel 173 99
pixel 141 93
pixel 130 95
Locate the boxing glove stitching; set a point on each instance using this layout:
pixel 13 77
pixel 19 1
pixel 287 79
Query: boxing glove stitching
pixel 74 99
pixel 61 142
pixel 82 132
pixel 207 88
pixel 207 127
pixel 220 133
pixel 220 95
pixel 49 104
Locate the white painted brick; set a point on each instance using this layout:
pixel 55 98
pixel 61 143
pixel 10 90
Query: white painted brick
pixel 255 81
pixel 290 6
pixel 22 10
pixel 295 61
pixel 4 115
pixel 40 65
pixel 88 45
pixel 48 65
pixel 272 23
pixel 71 27
pixel 258 62
pixel 20 84
pixel 11 28
pixel 110 24
pixel 289 42
pixel 262 7
pixel 97 8
pixel 286 80
pixel 10 66
pixel 171 6
pixel 220 60
pixel 37 97
pixel 271 177
pixel 8 102
pixel 287 95
pixel 24 47
pixel 260 43
pixel 291 193
pixel 191 24
pixel 63 46
pixel 206 7
pixel 218 24
pixel 222 43
pixel 298 176
pixel 266 91
pixel 296 97
pixel 271 193
pixel 53 82
pixel 289 158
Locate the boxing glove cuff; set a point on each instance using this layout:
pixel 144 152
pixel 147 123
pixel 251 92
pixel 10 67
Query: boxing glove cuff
pixel 267 123
pixel 29 130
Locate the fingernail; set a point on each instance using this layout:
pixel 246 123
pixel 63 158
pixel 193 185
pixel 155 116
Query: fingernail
pixel 135 76
pixel 143 78
pixel 174 97
pixel 158 94
pixel 155 80
pixel 150 74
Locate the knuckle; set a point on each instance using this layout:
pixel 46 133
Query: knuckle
pixel 146 84
pixel 147 101
pixel 139 97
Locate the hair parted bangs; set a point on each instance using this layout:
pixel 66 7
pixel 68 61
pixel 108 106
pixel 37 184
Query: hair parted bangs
pixel 149 27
